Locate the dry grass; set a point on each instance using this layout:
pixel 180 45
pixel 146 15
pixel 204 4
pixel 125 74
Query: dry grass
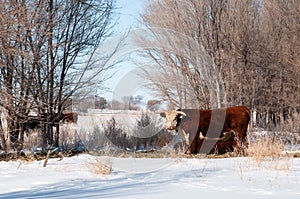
pixel 267 151
pixel 100 165
pixel 264 153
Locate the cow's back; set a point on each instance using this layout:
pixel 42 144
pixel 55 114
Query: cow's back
pixel 238 118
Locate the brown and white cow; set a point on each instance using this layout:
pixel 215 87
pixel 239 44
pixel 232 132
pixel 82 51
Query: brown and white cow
pixel 208 131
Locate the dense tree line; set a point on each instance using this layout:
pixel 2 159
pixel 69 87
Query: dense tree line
pixel 43 61
pixel 216 53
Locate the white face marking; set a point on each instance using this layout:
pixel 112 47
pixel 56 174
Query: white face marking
pixel 171 124
pixel 171 121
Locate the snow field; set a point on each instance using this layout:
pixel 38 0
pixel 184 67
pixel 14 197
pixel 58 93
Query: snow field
pixel 151 178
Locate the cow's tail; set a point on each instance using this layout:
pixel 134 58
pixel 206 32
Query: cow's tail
pixel 248 118
pixel 247 110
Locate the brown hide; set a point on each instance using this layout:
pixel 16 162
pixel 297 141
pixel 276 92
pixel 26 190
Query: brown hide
pixel 70 117
pixel 213 123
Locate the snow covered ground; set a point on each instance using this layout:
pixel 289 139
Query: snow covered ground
pixel 151 178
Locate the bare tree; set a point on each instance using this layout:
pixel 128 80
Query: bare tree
pixel 47 50
pixel 233 52
pixel 183 55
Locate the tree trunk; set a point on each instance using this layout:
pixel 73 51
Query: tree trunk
pixel 2 137
pixel 56 135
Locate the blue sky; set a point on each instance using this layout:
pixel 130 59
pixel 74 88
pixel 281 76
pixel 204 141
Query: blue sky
pixel 128 14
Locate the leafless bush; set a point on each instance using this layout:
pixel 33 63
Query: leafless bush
pixel 69 138
pixel 146 132
pixel 93 139
pixel 115 134
pixel 149 132
pixel 291 125
pixel 32 139
pixel 287 132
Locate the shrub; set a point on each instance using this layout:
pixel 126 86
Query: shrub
pixel 267 150
pixel 100 165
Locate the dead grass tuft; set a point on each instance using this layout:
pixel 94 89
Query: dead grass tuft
pixel 100 165
pixel 267 151
pixel 267 148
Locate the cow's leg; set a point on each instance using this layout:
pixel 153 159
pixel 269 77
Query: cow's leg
pixel 184 136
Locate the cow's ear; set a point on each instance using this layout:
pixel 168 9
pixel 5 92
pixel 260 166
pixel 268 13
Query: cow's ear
pixel 163 114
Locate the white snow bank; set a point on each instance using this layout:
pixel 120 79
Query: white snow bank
pixel 151 178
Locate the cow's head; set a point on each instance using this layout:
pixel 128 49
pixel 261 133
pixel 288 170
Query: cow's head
pixel 173 118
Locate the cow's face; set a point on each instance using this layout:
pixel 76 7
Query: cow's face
pixel 173 118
